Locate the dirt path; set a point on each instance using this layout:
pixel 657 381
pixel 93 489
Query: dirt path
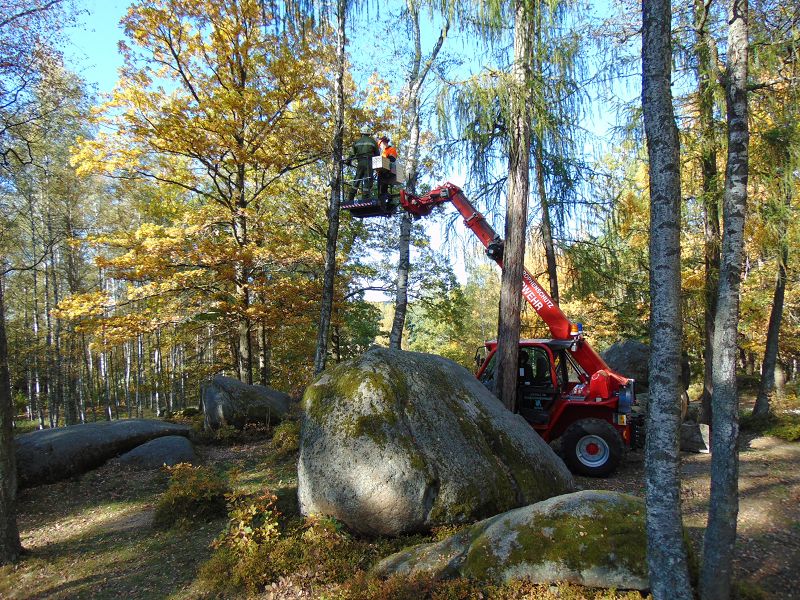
pixel 768 544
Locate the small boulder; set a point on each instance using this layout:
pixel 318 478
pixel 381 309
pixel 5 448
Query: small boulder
pixel 695 437
pixel 168 450
pixel 50 455
pixel 395 441
pixel 592 538
pixel 228 401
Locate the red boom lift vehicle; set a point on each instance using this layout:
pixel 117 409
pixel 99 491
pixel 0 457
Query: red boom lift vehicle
pixel 566 390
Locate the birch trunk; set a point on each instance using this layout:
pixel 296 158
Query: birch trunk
pixel 720 534
pixel 416 80
pixel 332 236
pixel 666 553
pixel 37 386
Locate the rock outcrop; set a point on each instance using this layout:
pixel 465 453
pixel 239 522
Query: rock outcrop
pixel 228 401
pixel 168 450
pixel 397 441
pixel 592 538
pixel 50 455
pixel 695 437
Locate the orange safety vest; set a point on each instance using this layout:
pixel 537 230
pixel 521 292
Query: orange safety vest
pixel 389 152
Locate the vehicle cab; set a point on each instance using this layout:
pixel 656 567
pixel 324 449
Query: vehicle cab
pixel 561 401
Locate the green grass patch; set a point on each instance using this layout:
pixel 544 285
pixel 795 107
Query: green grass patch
pixel 785 426
pixel 747 590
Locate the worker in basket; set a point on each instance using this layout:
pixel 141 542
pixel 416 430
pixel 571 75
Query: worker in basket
pixel 364 148
pixel 384 179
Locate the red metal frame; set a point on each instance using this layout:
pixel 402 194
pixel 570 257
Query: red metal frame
pixel 558 323
pixel 601 399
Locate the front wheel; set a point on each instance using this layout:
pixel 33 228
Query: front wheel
pixel 592 447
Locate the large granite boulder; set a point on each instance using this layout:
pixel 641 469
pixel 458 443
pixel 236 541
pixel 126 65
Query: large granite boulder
pixel 397 441
pixel 631 358
pixel 228 401
pixel 168 450
pixel 592 538
pixel 50 455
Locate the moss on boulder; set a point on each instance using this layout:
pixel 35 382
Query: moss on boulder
pixel 396 442
pixel 592 538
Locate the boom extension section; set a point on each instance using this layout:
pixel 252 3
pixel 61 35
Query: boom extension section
pixel 560 326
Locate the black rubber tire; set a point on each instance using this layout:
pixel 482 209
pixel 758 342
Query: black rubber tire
pixel 587 431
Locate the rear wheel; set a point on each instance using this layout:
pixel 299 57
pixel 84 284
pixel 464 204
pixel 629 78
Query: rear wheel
pixel 592 447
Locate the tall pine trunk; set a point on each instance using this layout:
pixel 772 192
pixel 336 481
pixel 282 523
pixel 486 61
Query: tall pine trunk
pixel 666 553
pixel 337 149
pixel 519 144
pixel 10 546
pixel 767 384
pixel 720 534
pixel 705 51
pixel 770 363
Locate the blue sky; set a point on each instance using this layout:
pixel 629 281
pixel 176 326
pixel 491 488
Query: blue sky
pixel 92 44
pixel 92 52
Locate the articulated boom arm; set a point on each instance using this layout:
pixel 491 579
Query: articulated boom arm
pixel 560 326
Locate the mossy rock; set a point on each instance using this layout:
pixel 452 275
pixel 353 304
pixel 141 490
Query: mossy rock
pixel 592 538
pixel 396 442
pixel 228 401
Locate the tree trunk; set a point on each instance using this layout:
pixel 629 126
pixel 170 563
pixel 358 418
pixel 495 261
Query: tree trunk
pixel 767 384
pixel 547 229
pixel 37 386
pixel 10 546
pixel 264 355
pixel 519 144
pixel 139 374
pixel 244 353
pixel 401 282
pixel 770 362
pixel 128 352
pixel 705 48
pixel 416 79
pixel 666 553
pixel 337 149
pixel 720 534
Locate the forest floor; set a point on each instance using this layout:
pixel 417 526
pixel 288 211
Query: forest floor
pixel 91 537
pixel 768 529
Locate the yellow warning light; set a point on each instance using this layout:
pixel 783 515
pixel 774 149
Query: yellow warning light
pixel 573 329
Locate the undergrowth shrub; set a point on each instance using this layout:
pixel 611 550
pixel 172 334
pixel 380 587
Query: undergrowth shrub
pixel 286 438
pixel 259 547
pixel 193 493
pixel 418 587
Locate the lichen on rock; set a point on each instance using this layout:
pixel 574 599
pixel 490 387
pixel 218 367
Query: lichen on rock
pixel 593 538
pixel 396 442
